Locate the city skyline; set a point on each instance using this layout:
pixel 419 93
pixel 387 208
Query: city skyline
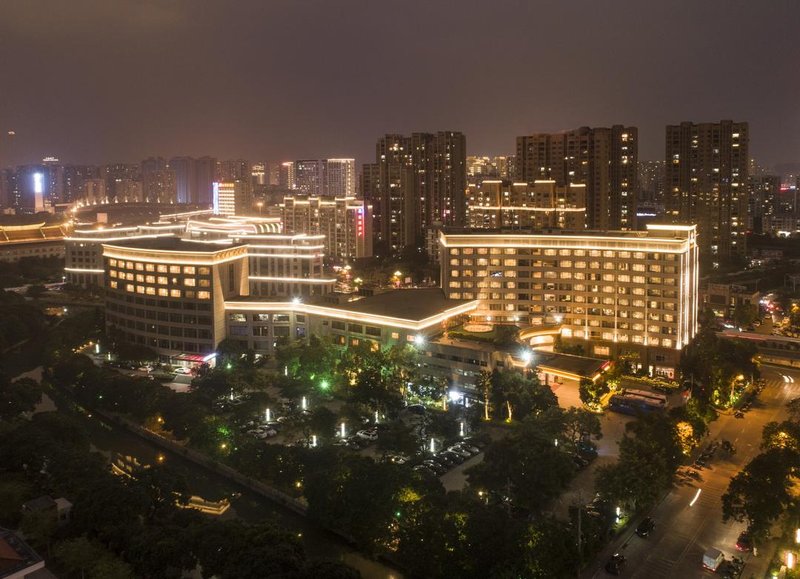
pixel 364 85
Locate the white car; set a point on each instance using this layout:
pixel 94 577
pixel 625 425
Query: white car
pixel 371 435
pixel 182 370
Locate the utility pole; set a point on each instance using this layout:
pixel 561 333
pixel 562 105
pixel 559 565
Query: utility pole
pixel 580 555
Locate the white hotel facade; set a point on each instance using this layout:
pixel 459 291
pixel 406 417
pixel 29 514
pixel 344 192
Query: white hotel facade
pixel 608 291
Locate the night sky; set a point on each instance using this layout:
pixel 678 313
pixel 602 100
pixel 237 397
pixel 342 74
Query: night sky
pixel 94 81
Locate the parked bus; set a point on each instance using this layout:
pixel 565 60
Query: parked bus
pixel 628 402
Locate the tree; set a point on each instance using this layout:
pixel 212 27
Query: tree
pixel 484 386
pixel 526 466
pixel 18 397
pixel 591 392
pixel 760 493
pixel 646 465
pixel 82 557
pixel 397 437
pixel 745 314
pixel 580 424
pixel 519 394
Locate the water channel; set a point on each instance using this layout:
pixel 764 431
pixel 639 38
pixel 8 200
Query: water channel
pixel 245 505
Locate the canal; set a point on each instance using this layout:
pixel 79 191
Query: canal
pixel 112 440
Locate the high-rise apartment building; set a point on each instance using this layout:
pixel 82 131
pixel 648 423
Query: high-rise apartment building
pixel 416 181
pixel 194 179
pixel 233 197
pixel 234 170
pixel 498 204
pixel 345 223
pixel 340 177
pixel 480 168
pixel 706 182
pixel 604 159
pixel 309 176
pixel 158 181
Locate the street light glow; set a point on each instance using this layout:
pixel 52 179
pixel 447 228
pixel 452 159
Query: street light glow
pixel 419 340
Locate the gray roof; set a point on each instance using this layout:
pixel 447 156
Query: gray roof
pixel 407 304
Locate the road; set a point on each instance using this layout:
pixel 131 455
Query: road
pixel 683 532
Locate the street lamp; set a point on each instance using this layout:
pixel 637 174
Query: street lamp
pixel 341 430
pixel 260 204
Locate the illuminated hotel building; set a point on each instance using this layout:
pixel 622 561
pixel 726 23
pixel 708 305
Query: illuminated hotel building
pixel 287 265
pixel 345 223
pixel 611 291
pixel 83 261
pixel 542 204
pixel 168 293
pixel 412 316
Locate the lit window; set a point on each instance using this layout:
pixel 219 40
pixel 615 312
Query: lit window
pixel 139 289
pixel 149 267
pixel 151 291
pixel 162 280
pixel 188 269
pixel 139 266
pixel 150 279
pixel 129 287
pixel 112 262
pixel 176 293
pixel 395 335
pixel 113 285
pixel 190 281
pixel 163 292
pixel 174 269
pixel 204 295
pixel 162 268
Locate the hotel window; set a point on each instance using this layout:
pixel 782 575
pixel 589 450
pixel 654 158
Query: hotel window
pixel 112 273
pixel 149 267
pixel 236 317
pixel 453 251
pixel 129 287
pixel 188 269
pixel 204 271
pixel 163 292
pixel 190 294
pixel 162 280
pixel 174 269
pixel 189 281
pixel 205 283
pixel 112 262
pixel 203 295
pixel 151 291
pixel 113 285
pixel 139 289
pixel 150 279
pixel 176 293
pixel 454 262
pixel 139 266
pixel 395 335
pixel 260 317
pixel 139 278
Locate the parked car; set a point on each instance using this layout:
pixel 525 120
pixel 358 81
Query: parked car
pixel 469 448
pixel 460 451
pixel 645 527
pixel 457 458
pixel 579 461
pixel 182 370
pixel 435 467
pixel 421 468
pixel 445 461
pixel 370 434
pixel 615 564
pixel 744 542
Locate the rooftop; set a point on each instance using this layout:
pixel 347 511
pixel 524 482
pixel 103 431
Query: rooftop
pixel 16 555
pixel 569 364
pixel 175 244
pixel 406 304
